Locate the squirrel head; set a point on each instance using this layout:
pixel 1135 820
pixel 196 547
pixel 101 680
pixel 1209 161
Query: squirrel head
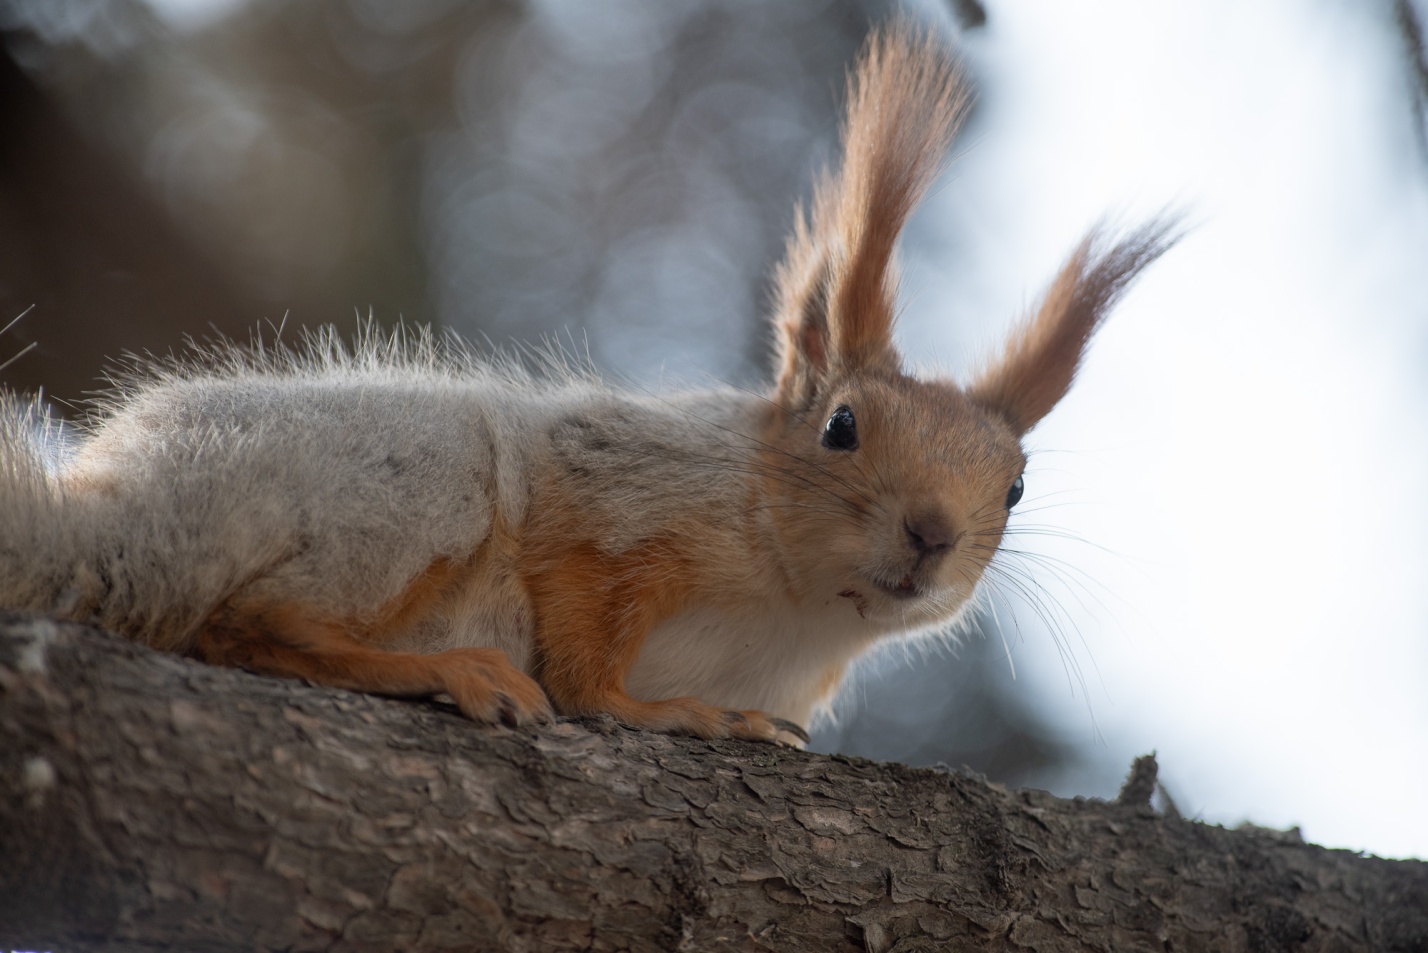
pixel 894 491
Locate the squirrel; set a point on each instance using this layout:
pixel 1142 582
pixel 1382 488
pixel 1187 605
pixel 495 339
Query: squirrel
pixel 406 518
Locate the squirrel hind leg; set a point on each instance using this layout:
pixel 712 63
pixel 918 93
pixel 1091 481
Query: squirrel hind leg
pixel 290 643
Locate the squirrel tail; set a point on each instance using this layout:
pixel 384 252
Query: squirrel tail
pixel 39 535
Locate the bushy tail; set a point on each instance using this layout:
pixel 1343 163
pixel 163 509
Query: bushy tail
pixel 37 538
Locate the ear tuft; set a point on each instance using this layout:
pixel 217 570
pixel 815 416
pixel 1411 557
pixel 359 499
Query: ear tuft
pixel 837 286
pixel 804 340
pixel 1041 359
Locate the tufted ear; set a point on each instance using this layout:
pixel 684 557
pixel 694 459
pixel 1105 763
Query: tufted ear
pixel 1040 360
pixel 837 285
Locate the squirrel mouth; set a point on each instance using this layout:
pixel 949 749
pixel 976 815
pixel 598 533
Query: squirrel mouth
pixel 904 588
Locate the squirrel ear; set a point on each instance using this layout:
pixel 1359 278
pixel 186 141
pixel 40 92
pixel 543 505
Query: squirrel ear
pixel 804 341
pixel 837 286
pixel 1041 359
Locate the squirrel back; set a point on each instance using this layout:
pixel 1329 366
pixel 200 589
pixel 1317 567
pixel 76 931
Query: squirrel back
pixel 405 518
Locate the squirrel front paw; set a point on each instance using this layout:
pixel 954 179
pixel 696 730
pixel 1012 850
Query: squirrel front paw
pixel 761 726
pixel 689 716
pixel 488 688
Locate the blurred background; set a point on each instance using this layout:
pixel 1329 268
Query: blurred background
pixel 1227 520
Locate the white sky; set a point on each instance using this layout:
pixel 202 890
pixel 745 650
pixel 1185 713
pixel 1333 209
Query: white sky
pixel 1247 440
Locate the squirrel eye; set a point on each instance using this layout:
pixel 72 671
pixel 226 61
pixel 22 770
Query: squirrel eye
pixel 1014 494
pixel 841 432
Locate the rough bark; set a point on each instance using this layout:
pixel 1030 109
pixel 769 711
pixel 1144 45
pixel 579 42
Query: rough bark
pixel 150 802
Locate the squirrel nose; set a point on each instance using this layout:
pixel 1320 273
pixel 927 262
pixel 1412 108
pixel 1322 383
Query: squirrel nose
pixel 930 533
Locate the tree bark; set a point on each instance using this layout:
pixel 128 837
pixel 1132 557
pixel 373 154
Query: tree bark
pixel 149 802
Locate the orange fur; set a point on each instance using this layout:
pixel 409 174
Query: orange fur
pixel 829 683
pixel 1042 357
pixel 594 610
pixel 421 597
pixel 293 642
pixel 837 286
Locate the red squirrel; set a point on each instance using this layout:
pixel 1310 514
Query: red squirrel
pixel 404 518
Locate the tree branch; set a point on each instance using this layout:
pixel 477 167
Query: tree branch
pixel 151 802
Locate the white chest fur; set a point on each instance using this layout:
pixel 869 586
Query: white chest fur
pixel 780 658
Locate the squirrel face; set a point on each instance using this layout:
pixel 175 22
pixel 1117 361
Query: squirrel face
pixel 902 487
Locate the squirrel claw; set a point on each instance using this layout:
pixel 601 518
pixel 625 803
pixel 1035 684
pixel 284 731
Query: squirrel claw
pixel 509 713
pixel 514 715
pixel 689 716
pixel 798 731
pixel 757 726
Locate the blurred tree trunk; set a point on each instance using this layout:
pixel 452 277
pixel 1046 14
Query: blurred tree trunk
pixel 88 254
pixel 150 802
